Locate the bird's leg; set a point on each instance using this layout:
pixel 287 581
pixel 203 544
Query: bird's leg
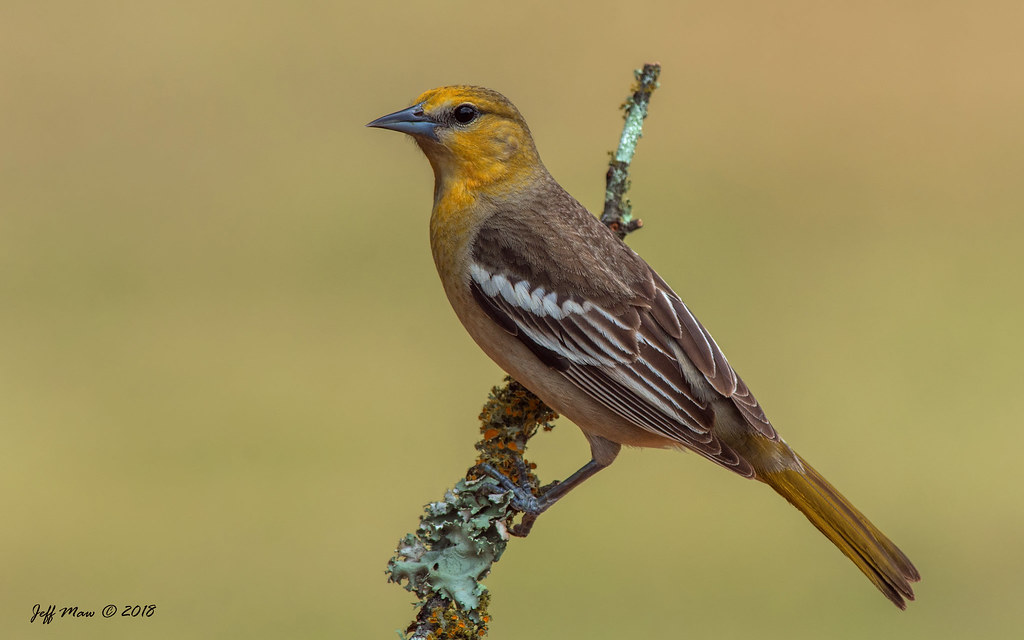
pixel 530 505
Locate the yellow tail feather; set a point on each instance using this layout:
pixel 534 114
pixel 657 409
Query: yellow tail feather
pixel 874 554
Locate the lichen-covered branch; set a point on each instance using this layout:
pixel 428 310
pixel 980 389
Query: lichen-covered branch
pixel 461 536
pixel 618 213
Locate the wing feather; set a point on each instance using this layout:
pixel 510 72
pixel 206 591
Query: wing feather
pixel 703 351
pixel 623 360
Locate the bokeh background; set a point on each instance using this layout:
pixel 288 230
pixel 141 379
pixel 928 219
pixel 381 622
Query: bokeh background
pixel 229 378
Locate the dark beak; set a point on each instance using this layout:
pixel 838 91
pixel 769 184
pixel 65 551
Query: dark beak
pixel 412 121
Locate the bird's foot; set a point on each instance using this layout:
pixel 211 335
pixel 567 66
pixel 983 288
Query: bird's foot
pixel 523 499
pixel 522 492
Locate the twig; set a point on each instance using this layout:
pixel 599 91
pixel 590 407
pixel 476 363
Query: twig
pixel 618 212
pixel 460 537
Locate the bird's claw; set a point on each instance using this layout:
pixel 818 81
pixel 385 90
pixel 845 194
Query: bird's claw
pixel 523 499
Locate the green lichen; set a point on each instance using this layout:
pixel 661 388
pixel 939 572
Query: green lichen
pixel 455 545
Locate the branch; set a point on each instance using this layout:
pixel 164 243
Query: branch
pixel 460 537
pixel 618 212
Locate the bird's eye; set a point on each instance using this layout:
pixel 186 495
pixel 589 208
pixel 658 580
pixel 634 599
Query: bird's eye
pixel 465 113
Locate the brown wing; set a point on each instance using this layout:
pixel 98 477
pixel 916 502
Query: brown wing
pixel 626 361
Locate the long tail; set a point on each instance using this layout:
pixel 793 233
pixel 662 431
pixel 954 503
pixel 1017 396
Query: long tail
pixel 874 554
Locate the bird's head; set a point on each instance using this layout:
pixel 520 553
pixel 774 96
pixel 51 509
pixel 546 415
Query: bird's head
pixel 474 138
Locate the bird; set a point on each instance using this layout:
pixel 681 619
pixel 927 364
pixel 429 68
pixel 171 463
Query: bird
pixel 562 304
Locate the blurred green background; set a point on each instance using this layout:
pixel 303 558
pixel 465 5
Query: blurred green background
pixel 229 378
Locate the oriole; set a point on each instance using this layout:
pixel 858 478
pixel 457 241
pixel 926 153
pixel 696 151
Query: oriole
pixel 566 308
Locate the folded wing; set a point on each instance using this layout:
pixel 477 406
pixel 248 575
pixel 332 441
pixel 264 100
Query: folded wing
pixel 630 355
